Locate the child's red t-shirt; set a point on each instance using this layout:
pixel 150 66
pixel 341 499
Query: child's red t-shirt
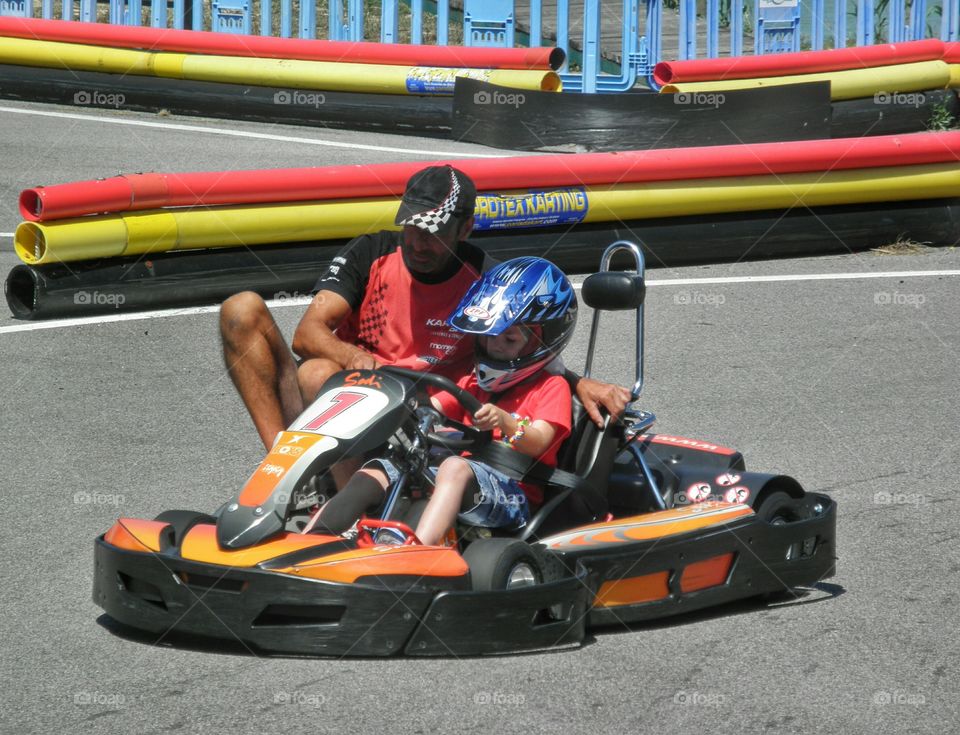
pixel 545 397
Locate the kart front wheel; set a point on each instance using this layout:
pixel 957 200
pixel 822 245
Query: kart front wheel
pixel 501 564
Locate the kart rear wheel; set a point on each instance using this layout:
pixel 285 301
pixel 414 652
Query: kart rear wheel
pixel 779 508
pixel 182 521
pixel 502 563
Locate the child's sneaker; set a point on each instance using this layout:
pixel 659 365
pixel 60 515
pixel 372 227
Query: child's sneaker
pixel 390 537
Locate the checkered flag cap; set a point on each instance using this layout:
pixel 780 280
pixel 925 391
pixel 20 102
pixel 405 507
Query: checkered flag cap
pixel 433 196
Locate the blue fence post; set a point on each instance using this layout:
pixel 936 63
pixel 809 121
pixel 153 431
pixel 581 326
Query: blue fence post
pixel 654 42
pixel 335 20
pixel 443 22
pixel 308 19
pixel 590 67
pixel 66 10
pixel 918 19
pixel 286 18
pixel 416 21
pixel 389 20
pixel 158 13
pixel 688 30
pixel 266 17
pixel 950 21
pixel 865 27
pixel 816 25
pixel 355 20
pixel 46 9
pixel 736 28
pixel 197 18
pixel 178 14
pixel 713 28
pixel 536 23
pixel 840 24
pixel 563 30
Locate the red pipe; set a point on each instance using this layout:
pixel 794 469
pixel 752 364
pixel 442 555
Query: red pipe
pixel 150 191
pixel 801 62
pixel 951 52
pixel 224 44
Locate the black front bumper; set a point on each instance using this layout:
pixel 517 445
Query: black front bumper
pixel 269 612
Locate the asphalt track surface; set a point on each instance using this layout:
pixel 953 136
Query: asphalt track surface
pixel 847 384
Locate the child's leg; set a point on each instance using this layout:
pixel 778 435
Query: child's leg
pixel 454 476
pixel 365 490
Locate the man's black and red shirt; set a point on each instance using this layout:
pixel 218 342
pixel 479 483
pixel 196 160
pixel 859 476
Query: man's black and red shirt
pixel 398 317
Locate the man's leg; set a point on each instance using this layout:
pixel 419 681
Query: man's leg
pixel 260 364
pixel 312 374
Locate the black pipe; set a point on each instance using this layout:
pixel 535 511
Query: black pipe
pixel 893 114
pixel 393 113
pixel 279 271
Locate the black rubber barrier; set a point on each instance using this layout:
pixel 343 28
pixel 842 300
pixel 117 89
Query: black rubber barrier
pixel 529 120
pixel 286 271
pixel 894 114
pixel 393 113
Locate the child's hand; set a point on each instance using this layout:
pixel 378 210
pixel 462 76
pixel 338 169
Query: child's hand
pixel 489 417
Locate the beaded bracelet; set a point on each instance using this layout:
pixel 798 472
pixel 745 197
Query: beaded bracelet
pixel 522 424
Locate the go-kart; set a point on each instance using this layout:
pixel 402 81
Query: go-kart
pixel 634 526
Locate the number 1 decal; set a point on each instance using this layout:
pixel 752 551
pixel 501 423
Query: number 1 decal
pixel 341 402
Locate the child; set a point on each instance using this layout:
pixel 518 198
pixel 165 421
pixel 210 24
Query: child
pixel 523 313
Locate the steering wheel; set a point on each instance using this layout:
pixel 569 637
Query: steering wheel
pixel 473 438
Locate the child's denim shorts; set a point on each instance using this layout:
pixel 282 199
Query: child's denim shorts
pixel 498 503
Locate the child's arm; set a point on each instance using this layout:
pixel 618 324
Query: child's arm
pixel 537 436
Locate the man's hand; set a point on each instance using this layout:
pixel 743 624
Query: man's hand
pixel 594 393
pixel 489 417
pixel 362 360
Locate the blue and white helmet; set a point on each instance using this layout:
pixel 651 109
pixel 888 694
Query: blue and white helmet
pixel 528 291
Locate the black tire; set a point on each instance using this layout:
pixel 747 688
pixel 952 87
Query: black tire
pixel 493 561
pixel 778 508
pixel 182 521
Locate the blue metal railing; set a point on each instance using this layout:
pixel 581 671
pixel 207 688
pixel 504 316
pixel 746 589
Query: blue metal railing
pixel 717 27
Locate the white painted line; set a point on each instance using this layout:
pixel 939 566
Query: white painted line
pixel 247 134
pixel 304 300
pixel 6 234
pixel 801 277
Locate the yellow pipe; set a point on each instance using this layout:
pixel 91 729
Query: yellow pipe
pixel 160 230
pixel 844 85
pixel 320 75
pixel 955 76
pixel 157 231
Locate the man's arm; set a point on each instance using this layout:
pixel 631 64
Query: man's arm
pixel 594 393
pixel 315 334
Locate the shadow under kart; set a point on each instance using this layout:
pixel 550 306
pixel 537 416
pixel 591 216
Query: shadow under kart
pixel 635 526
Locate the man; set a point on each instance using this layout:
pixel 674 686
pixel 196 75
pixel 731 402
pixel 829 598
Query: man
pixel 384 300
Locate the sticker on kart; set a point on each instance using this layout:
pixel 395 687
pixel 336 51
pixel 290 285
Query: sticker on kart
pixel 343 412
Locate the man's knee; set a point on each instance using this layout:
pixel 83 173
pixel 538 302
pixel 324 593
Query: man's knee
pixel 312 374
pixel 242 314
